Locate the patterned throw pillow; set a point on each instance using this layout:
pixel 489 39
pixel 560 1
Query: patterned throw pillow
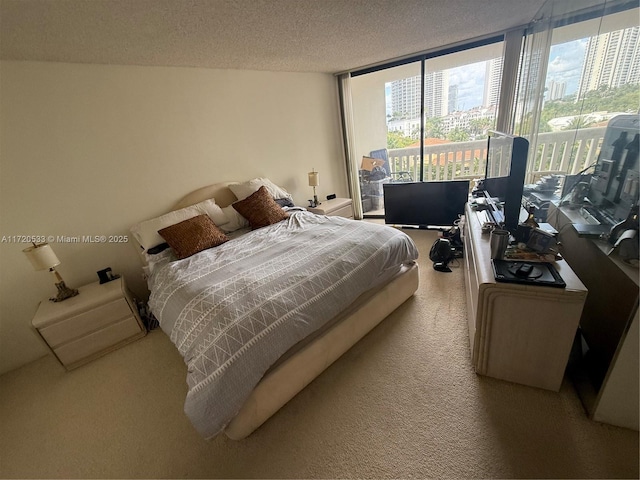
pixel 260 209
pixel 193 235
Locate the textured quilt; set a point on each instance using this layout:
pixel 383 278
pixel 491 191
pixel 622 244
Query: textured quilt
pixel 233 310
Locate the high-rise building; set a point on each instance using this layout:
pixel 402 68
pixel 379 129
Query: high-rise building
pixel 436 94
pixel 555 90
pixel 611 59
pixel 405 96
pixel 492 79
pixel 453 98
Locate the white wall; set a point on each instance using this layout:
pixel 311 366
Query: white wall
pixel 369 107
pixel 92 149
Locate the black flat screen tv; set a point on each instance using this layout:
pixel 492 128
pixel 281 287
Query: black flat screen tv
pixel 506 165
pixel 425 204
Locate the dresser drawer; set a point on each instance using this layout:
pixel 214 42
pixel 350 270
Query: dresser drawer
pixel 98 341
pixel 336 207
pixel 345 211
pixel 81 325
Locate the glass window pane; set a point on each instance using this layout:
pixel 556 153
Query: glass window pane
pixel 379 127
pixel 461 95
pixel 462 92
pixel 592 75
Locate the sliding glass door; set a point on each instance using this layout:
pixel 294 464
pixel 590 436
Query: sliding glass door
pixel 425 119
pixel 556 82
pixel 386 117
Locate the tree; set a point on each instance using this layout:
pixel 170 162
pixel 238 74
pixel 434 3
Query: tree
pixel 604 99
pixel 479 127
pixel 458 135
pixel 433 128
pixel 578 122
pixel 397 139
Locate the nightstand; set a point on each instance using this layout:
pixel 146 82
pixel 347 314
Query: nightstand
pixel 98 320
pixel 341 207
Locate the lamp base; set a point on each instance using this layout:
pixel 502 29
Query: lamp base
pixel 64 292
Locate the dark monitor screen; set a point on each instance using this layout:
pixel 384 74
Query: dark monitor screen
pixel 505 173
pixel 497 187
pixel 425 204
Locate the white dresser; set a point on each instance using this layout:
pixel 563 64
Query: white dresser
pixel 98 320
pixel 521 333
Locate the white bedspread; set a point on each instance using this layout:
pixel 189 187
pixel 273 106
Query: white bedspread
pixel 233 310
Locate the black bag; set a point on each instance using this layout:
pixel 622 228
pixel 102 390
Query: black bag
pixel 441 251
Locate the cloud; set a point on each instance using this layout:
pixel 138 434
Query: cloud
pixel 470 81
pixel 565 64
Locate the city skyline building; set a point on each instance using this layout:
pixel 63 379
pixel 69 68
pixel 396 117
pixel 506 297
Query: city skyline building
pixel 555 90
pixel 453 98
pixel 492 79
pixel 405 96
pixel 441 101
pixel 611 59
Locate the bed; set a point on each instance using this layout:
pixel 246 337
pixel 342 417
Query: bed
pixel 259 316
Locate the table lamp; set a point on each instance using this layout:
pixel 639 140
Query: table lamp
pixel 42 257
pixel 314 181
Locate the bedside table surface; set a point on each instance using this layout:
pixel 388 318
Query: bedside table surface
pixel 89 296
pixel 329 206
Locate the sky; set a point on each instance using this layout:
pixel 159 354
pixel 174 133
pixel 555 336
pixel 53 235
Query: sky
pixel 470 81
pixel 565 65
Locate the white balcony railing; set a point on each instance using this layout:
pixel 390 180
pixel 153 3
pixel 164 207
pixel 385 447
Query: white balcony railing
pixel 566 152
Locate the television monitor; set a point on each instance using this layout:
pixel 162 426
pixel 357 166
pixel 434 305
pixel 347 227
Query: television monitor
pixel 506 164
pixel 425 204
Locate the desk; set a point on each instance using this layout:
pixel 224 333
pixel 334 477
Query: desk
pixel 606 370
pixel 520 333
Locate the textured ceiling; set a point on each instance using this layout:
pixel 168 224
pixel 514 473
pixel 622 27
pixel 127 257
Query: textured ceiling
pixel 278 35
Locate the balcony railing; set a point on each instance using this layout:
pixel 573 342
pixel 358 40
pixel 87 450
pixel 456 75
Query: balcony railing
pixel 566 152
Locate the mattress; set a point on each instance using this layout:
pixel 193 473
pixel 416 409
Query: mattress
pixel 234 310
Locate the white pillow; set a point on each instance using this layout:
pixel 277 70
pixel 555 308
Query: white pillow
pixel 243 190
pixel 235 220
pixel 146 233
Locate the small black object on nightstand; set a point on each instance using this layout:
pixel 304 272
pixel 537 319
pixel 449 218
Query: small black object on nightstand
pixel 331 197
pixel 106 275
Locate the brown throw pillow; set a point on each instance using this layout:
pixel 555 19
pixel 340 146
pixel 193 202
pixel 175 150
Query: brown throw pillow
pixel 260 209
pixel 193 235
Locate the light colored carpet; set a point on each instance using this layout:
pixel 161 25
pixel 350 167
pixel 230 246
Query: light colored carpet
pixel 403 403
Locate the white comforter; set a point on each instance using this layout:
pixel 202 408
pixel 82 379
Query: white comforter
pixel 233 310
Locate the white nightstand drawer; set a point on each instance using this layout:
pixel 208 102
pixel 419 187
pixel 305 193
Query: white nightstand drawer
pixel 85 323
pixel 97 341
pixel 101 318
pixel 345 211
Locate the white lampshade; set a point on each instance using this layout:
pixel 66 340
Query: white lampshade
pixel 314 179
pixel 42 256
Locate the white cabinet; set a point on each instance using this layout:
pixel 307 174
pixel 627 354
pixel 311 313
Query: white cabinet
pixel 520 333
pixel 341 207
pixel 99 319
